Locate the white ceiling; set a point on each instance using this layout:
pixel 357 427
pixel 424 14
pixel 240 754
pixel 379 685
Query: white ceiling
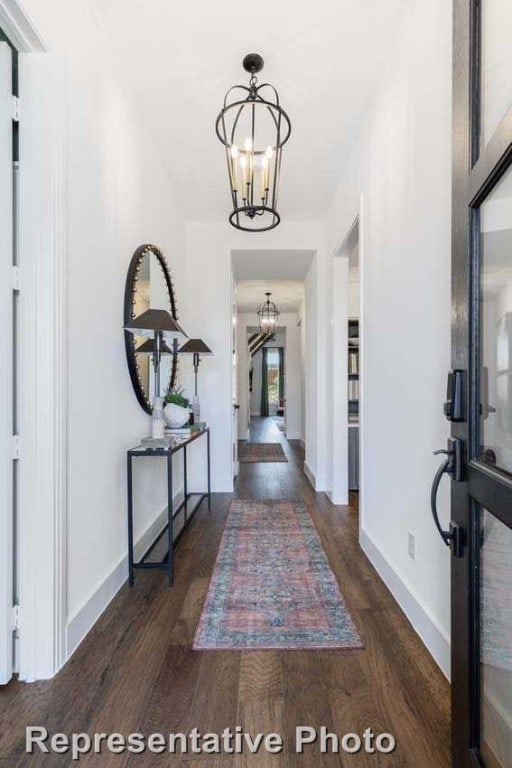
pixel 180 58
pixel 287 294
pixel 261 264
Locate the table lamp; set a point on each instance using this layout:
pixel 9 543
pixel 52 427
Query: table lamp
pixel 160 328
pixel 195 347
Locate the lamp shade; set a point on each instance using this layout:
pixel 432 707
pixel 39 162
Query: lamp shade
pixel 148 348
pixel 195 346
pixel 156 320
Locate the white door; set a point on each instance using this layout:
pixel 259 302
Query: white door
pixel 6 365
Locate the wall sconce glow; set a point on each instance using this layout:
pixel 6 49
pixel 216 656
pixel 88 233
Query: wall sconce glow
pixel 268 315
pixel 253 127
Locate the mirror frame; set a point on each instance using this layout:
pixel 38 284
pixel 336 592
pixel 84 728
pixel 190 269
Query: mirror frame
pixel 129 314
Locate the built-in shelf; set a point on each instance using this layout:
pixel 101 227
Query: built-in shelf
pixel 353 403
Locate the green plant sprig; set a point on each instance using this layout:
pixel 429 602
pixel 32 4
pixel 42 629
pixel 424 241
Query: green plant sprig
pixel 177 397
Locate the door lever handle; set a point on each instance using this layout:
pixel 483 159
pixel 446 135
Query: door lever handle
pixel 452 466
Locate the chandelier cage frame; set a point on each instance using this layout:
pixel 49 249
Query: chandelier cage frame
pixel 245 160
pixel 268 311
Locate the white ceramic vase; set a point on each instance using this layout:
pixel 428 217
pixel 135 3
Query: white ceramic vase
pixel 175 416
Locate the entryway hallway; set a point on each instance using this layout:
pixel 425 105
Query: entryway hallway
pixel 265 429
pixel 136 671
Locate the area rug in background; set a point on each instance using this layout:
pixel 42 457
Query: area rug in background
pixel 261 452
pixel 272 586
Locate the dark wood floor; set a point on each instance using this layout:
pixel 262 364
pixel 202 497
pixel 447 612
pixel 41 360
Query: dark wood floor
pixel 136 672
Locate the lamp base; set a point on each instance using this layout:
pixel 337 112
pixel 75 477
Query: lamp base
pixel 196 410
pixel 157 421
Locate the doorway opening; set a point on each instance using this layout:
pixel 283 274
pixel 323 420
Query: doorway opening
pixel 270 400
pixel 347 372
pixel 353 372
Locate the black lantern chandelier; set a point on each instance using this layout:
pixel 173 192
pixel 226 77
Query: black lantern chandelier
pixel 268 315
pixel 253 128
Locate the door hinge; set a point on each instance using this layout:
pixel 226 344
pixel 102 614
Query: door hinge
pixel 16 617
pixel 15 447
pixel 16 278
pixel 15 109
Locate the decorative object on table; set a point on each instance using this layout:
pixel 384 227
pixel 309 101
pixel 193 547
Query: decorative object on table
pixel 148 286
pixel 159 324
pixel 272 585
pixel 177 409
pixel 265 453
pixel 186 430
pixel 268 315
pixel 253 127
pixel 195 347
pixel 152 443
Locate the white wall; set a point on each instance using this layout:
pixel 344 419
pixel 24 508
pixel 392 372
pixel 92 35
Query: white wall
pixel 353 295
pixel 301 318
pixel 402 166
pixel 118 195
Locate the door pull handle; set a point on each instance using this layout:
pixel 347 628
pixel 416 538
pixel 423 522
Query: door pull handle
pixel 452 466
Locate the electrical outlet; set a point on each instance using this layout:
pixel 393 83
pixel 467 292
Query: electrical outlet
pixel 412 546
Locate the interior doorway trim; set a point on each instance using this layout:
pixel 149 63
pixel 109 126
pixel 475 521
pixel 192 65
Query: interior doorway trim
pixel 339 448
pixel 42 340
pixel 19 28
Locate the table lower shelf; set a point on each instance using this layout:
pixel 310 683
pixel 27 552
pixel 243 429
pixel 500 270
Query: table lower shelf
pixel 183 506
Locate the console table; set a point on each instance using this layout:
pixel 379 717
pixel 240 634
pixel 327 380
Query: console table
pixel 175 445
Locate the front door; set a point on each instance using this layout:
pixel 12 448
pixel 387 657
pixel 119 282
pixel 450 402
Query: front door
pixel 480 398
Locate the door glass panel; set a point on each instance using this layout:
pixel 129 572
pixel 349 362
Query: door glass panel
pixel 495 439
pixel 495 642
pixel 496 65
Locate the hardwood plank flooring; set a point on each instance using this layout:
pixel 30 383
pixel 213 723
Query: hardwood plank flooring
pixel 136 672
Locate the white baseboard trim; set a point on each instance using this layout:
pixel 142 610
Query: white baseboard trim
pixel 337 500
pixel 309 474
pixel 84 618
pixel 318 483
pixel 422 622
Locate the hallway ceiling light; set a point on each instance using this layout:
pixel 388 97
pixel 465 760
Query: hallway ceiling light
pixel 253 127
pixel 268 315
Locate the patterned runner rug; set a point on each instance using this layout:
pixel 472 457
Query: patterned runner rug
pixel 261 452
pixel 272 585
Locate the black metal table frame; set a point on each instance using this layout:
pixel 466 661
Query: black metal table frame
pixel 167 563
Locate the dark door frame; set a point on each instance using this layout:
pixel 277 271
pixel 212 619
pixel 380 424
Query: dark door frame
pixel 475 173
